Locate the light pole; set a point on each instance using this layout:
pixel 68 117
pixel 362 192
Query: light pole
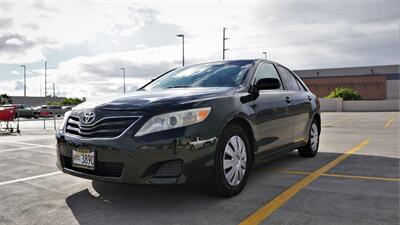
pixel 24 66
pixel 45 78
pixel 265 55
pixel 123 74
pixel 54 89
pixel 223 43
pixel 183 48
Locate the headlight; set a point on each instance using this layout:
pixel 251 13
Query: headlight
pixel 173 120
pixel 66 115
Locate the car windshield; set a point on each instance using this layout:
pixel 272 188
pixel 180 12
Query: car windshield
pixel 220 74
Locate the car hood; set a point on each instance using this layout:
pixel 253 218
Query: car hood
pixel 143 100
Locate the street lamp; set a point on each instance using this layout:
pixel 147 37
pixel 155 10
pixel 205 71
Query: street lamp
pixel 24 66
pixel 183 48
pixel 223 43
pixel 123 74
pixel 265 55
pixel 45 78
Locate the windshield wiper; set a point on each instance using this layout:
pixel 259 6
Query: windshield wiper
pixel 180 86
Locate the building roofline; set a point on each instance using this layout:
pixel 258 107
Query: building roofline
pixel 349 67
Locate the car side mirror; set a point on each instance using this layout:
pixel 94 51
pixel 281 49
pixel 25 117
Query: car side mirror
pixel 268 84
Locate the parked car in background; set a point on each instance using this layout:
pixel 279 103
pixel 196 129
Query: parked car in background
pixel 49 111
pixel 67 108
pixel 24 111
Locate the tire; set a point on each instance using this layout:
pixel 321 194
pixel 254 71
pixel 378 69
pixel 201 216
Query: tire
pixel 234 158
pixel 311 149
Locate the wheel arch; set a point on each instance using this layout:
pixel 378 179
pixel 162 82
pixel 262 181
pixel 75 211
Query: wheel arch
pixel 317 116
pixel 245 124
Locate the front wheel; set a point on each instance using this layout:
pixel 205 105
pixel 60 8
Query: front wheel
pixel 311 149
pixel 232 165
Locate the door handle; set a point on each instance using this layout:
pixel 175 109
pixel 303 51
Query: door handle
pixel 288 99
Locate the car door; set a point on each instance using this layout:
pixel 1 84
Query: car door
pixel 274 130
pixel 299 104
pixel 21 111
pixel 303 120
pixel 58 110
pixel 26 111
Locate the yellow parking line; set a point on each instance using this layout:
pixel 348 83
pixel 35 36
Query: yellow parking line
pixel 265 211
pixel 362 177
pixel 390 121
pixel 342 175
pixel 335 122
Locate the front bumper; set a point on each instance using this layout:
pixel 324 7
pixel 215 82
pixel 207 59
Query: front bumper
pixel 183 155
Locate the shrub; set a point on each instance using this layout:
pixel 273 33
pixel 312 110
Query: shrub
pixel 71 101
pixel 345 94
pixel 5 99
pixel 67 101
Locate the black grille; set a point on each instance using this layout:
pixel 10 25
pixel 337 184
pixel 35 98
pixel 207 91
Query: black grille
pixel 107 169
pixel 169 169
pixel 105 128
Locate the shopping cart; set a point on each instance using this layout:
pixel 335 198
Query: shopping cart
pixel 9 121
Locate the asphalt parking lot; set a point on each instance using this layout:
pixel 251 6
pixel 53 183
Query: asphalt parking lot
pixel 353 180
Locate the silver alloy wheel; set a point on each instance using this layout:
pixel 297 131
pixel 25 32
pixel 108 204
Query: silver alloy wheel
pixel 235 160
pixel 314 138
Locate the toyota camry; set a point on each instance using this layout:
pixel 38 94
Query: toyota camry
pixel 210 122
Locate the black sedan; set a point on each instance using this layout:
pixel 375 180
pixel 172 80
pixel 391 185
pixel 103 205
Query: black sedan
pixel 210 122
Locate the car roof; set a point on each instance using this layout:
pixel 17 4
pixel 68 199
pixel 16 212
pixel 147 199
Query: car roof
pixel 235 61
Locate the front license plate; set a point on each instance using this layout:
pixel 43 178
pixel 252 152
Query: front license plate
pixel 83 158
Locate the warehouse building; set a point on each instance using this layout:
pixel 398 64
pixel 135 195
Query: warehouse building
pixel 372 82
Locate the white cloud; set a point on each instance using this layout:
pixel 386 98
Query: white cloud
pixel 29 56
pixel 101 75
pixel 14 72
pixel 14 41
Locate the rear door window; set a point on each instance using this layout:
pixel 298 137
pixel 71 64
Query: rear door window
pixel 302 88
pixel 288 80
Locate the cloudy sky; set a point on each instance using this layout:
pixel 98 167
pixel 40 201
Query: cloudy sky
pixel 87 42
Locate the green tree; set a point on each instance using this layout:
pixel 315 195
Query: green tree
pixel 345 94
pixel 67 101
pixel 5 99
pixel 71 101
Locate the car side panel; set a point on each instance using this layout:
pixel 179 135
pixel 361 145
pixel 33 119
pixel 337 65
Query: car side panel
pixel 272 120
pixel 301 111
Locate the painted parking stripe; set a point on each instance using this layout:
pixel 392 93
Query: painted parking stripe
pixel 391 179
pixel 269 208
pixel 17 149
pixel 30 149
pixel 31 144
pixel 390 120
pixel 335 122
pixel 29 178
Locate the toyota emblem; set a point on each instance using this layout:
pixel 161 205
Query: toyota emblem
pixel 88 117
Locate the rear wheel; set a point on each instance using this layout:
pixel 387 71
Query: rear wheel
pixel 232 165
pixel 311 149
